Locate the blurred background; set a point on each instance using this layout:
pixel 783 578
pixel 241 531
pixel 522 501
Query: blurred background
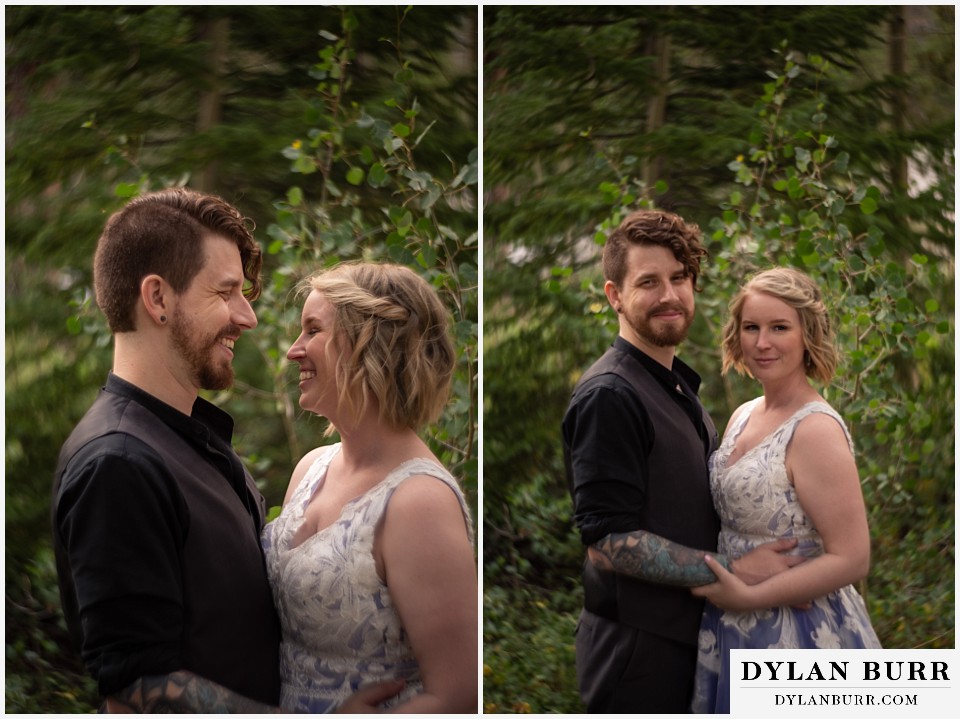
pixel 343 133
pixel 820 137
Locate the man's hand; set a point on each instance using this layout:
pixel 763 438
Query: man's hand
pixel 765 561
pixel 366 699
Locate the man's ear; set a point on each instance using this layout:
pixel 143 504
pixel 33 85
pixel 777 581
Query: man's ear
pixel 156 296
pixel 613 296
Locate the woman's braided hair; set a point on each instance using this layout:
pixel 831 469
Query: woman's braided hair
pixel 392 344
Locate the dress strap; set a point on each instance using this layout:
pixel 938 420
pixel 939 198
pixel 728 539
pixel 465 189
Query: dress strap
pixel 815 407
pixel 315 475
pixel 424 466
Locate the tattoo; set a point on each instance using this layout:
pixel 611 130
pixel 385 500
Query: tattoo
pixel 654 559
pixel 184 692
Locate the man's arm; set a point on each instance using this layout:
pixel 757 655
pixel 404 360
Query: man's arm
pixel 650 557
pixel 183 692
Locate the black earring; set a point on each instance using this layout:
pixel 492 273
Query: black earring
pixel 163 318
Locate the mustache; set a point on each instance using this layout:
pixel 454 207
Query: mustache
pixel 231 331
pixel 668 308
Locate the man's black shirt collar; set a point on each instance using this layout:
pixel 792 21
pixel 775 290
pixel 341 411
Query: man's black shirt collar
pixel 681 371
pixel 208 428
pixel 205 420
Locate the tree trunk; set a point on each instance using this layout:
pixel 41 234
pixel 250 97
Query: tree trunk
pixel 215 31
pixel 898 104
pixel 659 46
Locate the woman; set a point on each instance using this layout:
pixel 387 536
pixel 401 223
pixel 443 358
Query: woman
pixel 371 559
pixel 785 468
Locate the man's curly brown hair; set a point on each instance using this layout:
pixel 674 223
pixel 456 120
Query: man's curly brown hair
pixel 653 227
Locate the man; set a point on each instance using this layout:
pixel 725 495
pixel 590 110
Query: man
pixel 156 521
pixel 636 443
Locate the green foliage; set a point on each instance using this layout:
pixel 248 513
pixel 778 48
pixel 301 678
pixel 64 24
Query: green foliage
pixel 364 196
pixel 528 651
pixel 792 175
pixel 803 204
pixel 51 377
pixel 102 105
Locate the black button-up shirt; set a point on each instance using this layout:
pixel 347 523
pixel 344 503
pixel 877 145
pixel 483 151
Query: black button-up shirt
pixel 607 435
pixel 156 532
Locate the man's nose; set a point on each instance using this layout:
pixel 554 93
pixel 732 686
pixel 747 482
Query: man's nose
pixel 669 293
pixel 245 317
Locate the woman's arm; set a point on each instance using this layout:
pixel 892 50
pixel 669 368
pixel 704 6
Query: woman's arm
pixel 825 476
pixel 428 563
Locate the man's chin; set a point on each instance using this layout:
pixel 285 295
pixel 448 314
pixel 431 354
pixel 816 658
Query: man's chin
pixel 216 381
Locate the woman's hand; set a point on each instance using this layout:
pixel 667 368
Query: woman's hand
pixel 728 592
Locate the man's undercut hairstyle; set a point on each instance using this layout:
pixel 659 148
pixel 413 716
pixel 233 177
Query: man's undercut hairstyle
pixel 653 228
pixel 798 290
pixel 162 233
pixel 391 341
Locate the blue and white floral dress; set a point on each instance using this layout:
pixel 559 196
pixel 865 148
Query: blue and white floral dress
pixel 339 626
pixel 757 503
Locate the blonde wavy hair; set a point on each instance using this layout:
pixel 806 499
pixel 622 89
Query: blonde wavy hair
pixel 392 342
pixel 796 289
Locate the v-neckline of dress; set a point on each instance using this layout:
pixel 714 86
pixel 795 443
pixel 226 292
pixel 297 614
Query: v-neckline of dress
pixel 319 482
pixel 763 440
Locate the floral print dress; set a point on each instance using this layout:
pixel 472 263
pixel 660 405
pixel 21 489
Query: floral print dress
pixel 340 627
pixel 757 503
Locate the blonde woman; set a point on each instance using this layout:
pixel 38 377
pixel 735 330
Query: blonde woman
pixel 371 559
pixel 785 469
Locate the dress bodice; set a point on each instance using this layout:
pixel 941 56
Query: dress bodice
pixel 340 626
pixel 757 504
pixel 754 496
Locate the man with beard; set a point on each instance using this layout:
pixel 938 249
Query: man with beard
pixel 156 521
pixel 636 443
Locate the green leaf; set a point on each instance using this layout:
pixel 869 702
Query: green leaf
pixel 377 177
pixel 868 205
pixel 905 305
pixel 294 196
pixel 305 165
pixel 794 189
pixel 355 176
pixel 401 130
pixel 127 189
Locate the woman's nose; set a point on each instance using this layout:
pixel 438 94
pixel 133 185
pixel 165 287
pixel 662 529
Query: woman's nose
pixel 296 351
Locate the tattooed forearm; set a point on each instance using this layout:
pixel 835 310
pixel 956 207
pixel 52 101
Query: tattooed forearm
pixel 183 692
pixel 654 559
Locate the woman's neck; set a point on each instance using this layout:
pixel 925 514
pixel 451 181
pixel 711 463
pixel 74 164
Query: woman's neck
pixel 788 394
pixel 371 444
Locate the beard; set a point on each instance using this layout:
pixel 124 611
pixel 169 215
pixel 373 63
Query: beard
pixel 667 336
pixel 196 350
